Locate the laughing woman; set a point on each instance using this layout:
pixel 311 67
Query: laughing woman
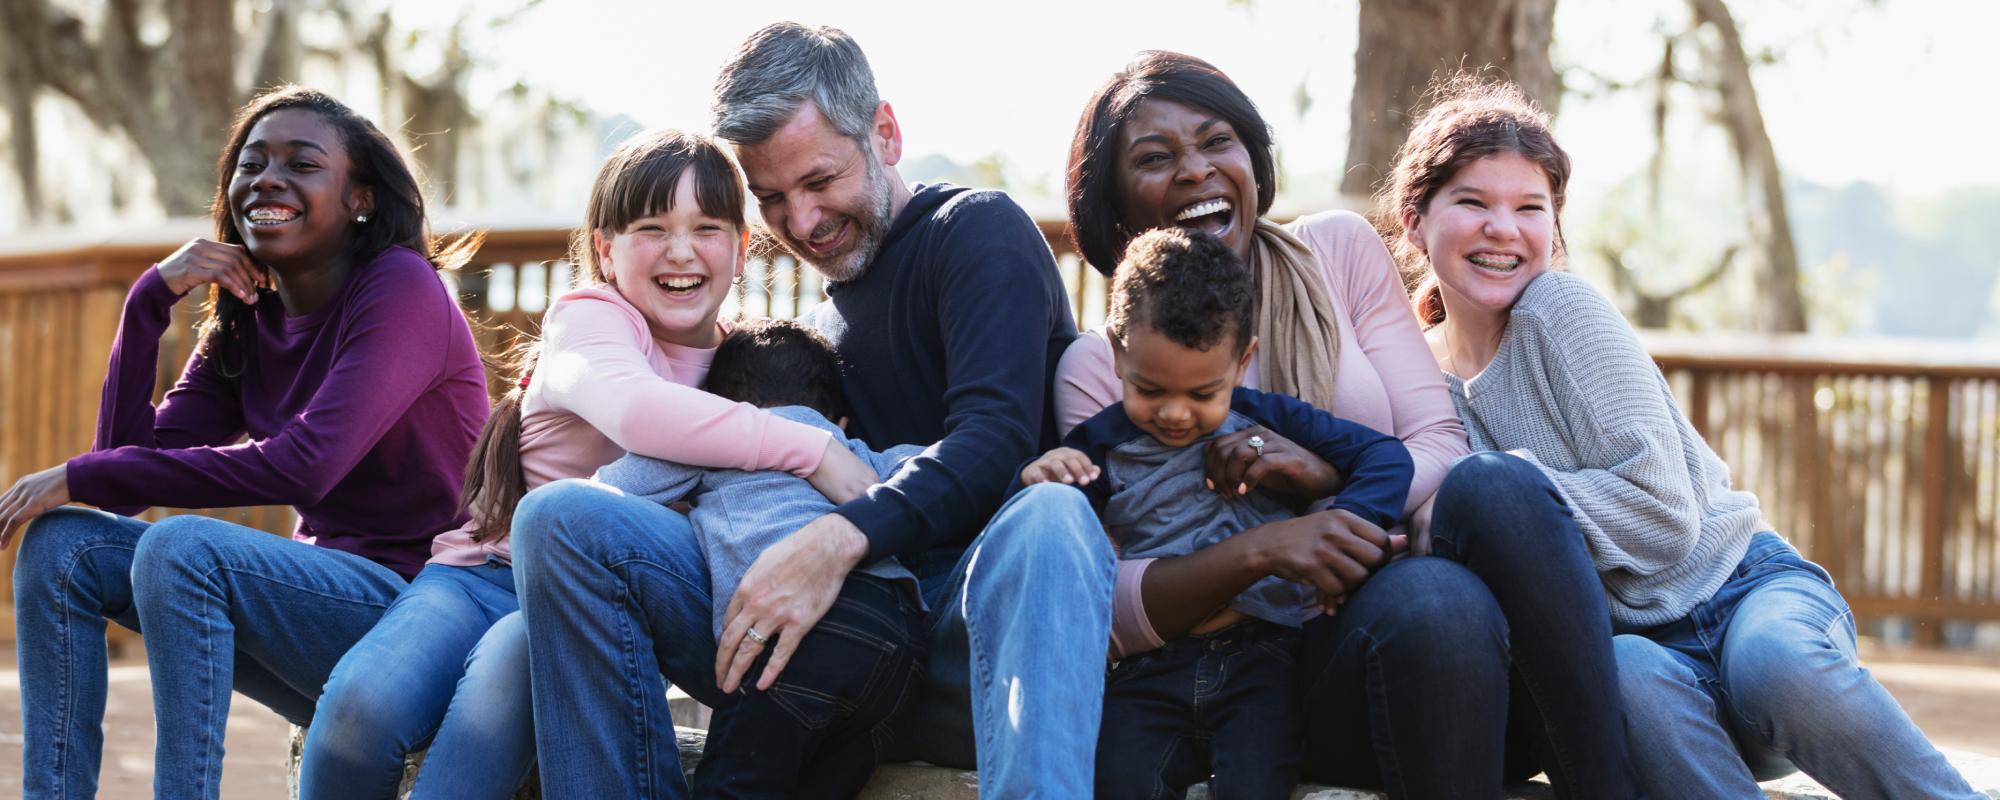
pixel 340 355
pixel 1735 658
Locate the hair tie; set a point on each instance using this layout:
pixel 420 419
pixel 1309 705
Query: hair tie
pixel 524 382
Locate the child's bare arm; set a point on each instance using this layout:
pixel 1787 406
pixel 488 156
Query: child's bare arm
pixel 1064 464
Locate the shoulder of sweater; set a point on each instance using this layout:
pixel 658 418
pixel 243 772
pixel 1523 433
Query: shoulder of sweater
pixel 1569 309
pixel 400 272
pixel 1331 226
pixel 984 214
pixel 594 302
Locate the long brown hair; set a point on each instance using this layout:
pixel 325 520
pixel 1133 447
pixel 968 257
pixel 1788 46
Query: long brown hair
pixel 1470 119
pixel 637 181
pixel 398 218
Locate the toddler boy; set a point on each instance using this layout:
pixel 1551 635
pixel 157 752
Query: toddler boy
pixel 811 733
pixel 1221 700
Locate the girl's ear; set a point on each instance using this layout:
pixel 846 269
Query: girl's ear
pixel 362 200
pixel 1243 366
pixel 1413 230
pixel 601 244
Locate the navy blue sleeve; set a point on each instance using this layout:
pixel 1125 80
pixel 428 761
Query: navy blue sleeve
pixel 1378 467
pixel 998 298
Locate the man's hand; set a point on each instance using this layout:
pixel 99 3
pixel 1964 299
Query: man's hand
pixel 31 496
pixel 1066 464
pixel 783 595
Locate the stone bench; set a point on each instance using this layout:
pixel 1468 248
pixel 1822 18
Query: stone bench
pixel 919 781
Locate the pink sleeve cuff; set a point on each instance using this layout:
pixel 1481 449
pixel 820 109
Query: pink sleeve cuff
pixel 794 447
pixel 1131 632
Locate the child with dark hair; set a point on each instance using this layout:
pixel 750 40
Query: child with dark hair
pixel 814 728
pixel 1222 699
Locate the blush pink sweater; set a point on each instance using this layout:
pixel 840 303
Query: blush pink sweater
pixel 1386 380
pixel 604 387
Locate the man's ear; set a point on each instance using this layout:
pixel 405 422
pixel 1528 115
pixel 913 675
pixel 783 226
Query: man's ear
pixel 1243 366
pixel 887 136
pixel 842 424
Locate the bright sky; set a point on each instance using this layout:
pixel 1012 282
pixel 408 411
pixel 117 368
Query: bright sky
pixel 1865 91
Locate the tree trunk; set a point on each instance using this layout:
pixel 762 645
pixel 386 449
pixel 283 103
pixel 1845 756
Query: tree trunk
pixel 1406 43
pixel 1780 307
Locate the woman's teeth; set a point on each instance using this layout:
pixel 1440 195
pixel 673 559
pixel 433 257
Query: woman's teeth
pixel 269 215
pixel 1496 263
pixel 1202 209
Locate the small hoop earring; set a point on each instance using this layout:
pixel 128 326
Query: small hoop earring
pixel 361 218
pixel 738 280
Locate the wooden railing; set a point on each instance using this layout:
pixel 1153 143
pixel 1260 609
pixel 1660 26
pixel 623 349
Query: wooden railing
pixel 1880 458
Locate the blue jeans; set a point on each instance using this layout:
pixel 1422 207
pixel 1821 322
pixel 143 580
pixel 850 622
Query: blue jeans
pixel 615 593
pixel 1406 688
pixel 1762 679
pixel 1502 518
pixel 814 733
pixel 1223 703
pixel 221 606
pixel 447 668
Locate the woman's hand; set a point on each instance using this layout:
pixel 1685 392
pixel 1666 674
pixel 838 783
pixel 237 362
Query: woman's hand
pixel 203 261
pixel 842 475
pixel 1233 467
pixel 1066 464
pixel 31 496
pixel 1332 551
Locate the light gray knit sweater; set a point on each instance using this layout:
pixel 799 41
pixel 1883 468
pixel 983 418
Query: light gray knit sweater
pixel 1573 391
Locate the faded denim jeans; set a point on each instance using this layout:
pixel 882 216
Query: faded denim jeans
pixel 1762 679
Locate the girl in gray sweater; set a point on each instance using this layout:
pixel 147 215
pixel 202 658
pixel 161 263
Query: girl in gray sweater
pixel 1735 657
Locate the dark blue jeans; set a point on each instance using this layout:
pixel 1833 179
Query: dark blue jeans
pixel 814 734
pixel 1406 688
pixel 1502 518
pixel 1223 702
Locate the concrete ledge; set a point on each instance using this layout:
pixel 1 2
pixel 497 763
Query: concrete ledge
pixel 920 781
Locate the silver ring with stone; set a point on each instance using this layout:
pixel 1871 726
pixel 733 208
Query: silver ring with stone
pixel 757 637
pixel 1257 443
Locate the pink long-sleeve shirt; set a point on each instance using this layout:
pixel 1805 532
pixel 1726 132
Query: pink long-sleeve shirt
pixel 1386 380
pixel 604 387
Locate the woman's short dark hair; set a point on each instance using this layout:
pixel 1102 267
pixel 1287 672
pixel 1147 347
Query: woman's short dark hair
pixel 1095 206
pixel 373 161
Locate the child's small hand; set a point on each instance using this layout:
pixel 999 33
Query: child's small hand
pixel 1064 464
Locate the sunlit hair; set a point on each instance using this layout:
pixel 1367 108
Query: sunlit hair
pixel 1469 119
pixel 1187 285
pixel 781 67
pixel 1095 206
pixel 373 161
pixel 637 181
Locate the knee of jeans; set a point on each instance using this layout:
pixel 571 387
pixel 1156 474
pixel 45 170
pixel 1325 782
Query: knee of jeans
pixel 174 549
pixel 1049 521
pixel 540 516
pixel 50 541
pixel 1434 608
pixel 1468 491
pixel 359 715
pixel 502 649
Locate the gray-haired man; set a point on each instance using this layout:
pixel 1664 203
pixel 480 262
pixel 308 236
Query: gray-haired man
pixel 949 315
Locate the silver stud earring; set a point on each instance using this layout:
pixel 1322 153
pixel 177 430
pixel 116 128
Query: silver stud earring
pixel 361 218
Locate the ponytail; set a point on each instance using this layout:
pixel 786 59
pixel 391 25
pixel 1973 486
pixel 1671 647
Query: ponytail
pixel 494 480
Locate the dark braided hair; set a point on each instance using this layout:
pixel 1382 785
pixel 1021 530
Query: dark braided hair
pixel 1186 284
pixel 398 218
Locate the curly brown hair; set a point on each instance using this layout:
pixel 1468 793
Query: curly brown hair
pixel 1469 119
pixel 1186 284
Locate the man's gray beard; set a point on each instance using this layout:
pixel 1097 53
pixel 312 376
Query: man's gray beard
pixel 870 231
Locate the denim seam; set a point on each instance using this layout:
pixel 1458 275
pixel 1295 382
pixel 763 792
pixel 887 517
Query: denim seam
pixel 66 715
pixel 1392 770
pixel 1563 757
pixel 1160 788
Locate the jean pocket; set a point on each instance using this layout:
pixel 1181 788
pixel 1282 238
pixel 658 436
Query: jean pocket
pixel 839 671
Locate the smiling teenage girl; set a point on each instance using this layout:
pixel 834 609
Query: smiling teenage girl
pixel 1737 657
pixel 358 385
pixel 618 371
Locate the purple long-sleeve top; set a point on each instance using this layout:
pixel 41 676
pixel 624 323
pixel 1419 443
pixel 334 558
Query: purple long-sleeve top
pixel 361 415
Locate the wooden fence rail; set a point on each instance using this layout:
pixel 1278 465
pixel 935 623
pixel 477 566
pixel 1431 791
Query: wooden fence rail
pixel 1880 458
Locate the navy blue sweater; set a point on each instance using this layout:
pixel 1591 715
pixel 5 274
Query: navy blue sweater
pixel 951 337
pixel 1377 466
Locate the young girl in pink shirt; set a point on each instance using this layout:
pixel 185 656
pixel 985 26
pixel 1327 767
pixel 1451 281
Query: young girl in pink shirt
pixel 618 370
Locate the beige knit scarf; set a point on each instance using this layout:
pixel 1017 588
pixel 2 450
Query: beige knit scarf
pixel 1297 332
